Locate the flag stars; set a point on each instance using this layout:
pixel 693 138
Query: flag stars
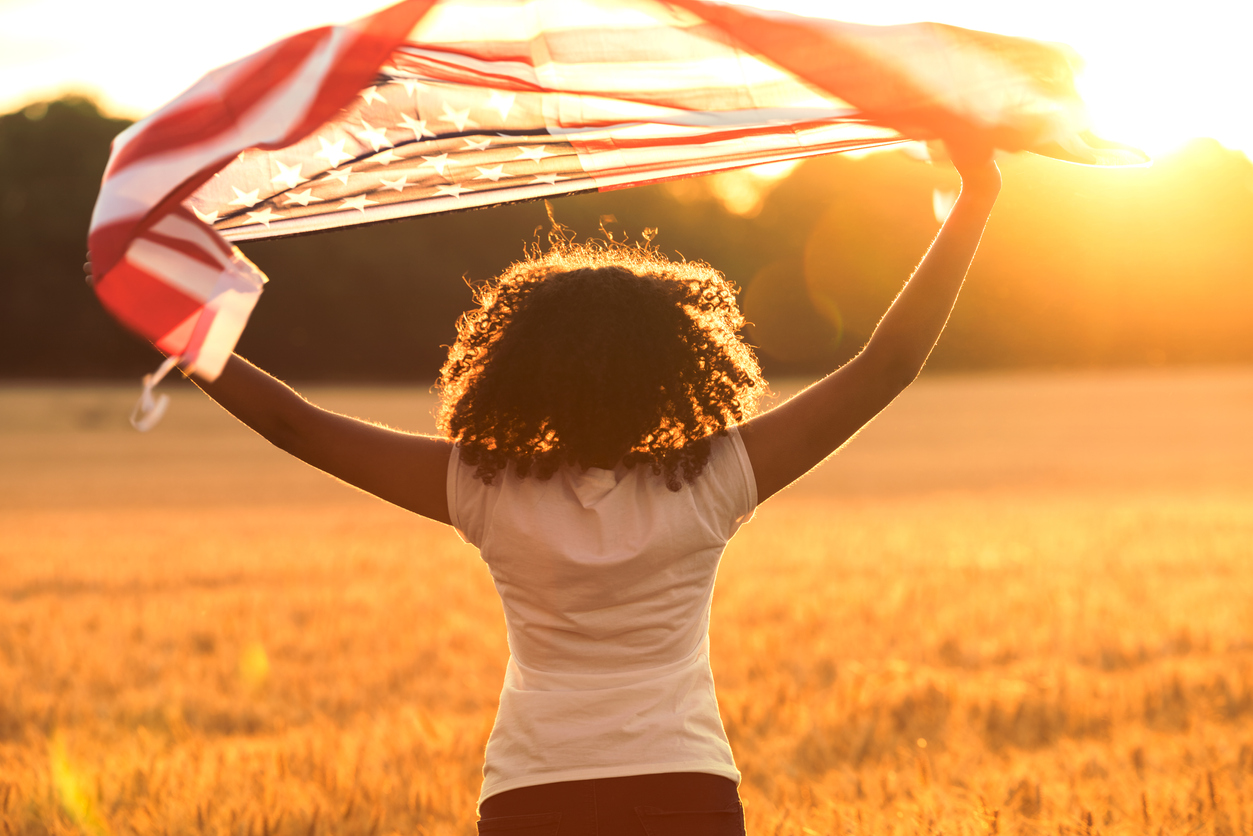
pixel 372 94
pixel 458 118
pixel 494 173
pixel 418 126
pixel 359 203
pixel 412 86
pixel 438 163
pixel 451 190
pixel 303 198
pixel 398 184
pixel 340 174
pixel 550 179
pixel 207 217
pixel 534 154
pixel 242 198
pixel 332 153
pixel 288 176
pixel 477 145
pixel 263 217
pixel 386 157
pixel 502 102
pixel 376 138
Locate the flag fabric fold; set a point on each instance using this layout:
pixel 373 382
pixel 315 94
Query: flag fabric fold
pixel 438 105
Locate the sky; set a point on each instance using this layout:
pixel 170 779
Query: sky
pixel 1151 79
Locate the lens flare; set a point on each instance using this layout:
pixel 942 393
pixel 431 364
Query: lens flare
pixel 73 791
pixel 254 666
pixel 789 318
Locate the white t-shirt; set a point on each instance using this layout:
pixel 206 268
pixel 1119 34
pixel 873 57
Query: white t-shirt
pixel 606 577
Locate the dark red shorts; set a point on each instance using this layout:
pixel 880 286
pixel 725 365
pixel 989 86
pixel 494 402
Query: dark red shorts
pixel 671 804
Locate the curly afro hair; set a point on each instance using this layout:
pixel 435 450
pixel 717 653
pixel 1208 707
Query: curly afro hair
pixel 591 354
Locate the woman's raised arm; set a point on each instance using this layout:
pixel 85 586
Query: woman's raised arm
pixel 405 469
pixel 788 441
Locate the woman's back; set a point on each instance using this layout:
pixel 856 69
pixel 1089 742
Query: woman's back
pixel 606 577
pixel 604 570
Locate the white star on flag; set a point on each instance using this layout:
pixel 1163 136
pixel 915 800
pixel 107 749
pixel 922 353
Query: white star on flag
pixel 418 126
pixel 480 145
pixel 437 163
pixel 411 86
pixel 458 118
pixel 341 175
pixel 452 189
pixel 207 217
pixel 550 179
pixel 503 102
pixel 398 185
pixel 303 198
pixel 263 217
pixel 359 203
pixel 494 173
pixel 386 157
pixel 376 137
pixel 371 94
pixel 248 199
pixel 289 175
pixel 333 154
pixel 534 154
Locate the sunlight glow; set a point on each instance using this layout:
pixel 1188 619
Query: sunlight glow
pixel 1152 79
pixel 73 790
pixel 744 191
pixel 254 665
pixel 135 55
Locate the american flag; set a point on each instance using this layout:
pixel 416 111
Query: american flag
pixel 437 105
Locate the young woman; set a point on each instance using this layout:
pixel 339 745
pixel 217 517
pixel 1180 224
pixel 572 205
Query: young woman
pixel 599 447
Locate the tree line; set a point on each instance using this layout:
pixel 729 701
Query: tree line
pixel 1080 267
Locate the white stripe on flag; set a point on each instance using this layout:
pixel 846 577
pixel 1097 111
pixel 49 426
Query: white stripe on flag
pixel 189 275
pixel 197 234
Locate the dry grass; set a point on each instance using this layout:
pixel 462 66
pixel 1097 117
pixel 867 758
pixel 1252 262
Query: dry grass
pixel 1018 604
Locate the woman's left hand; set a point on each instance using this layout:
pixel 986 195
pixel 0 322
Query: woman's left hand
pixel 974 162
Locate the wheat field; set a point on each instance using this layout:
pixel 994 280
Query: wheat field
pixel 1016 604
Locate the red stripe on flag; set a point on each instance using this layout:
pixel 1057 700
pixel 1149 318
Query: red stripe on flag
pixel 187 248
pixel 108 244
pixel 143 302
pixel 457 73
pixel 383 32
pixel 202 120
pixel 210 234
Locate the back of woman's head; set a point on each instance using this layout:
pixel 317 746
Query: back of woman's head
pixel 590 354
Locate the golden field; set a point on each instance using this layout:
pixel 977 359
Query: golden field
pixel 1016 604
